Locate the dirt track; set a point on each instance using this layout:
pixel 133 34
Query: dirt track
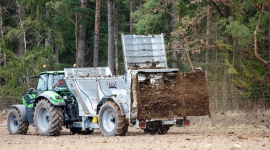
pixel 177 138
pixel 220 132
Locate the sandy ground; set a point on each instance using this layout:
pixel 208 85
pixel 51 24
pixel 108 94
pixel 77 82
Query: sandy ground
pixel 209 134
pixel 191 138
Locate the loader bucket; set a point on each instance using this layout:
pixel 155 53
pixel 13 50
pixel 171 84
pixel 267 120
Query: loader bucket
pixel 172 94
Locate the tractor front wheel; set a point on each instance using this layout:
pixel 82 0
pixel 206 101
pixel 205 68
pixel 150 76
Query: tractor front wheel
pixel 48 118
pixel 15 123
pixel 111 121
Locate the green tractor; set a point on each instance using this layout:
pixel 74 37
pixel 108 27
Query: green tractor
pixel 47 108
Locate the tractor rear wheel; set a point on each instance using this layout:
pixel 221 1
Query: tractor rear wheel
pixel 111 121
pixel 48 118
pixel 15 123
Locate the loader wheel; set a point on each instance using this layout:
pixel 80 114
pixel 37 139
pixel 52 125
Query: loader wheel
pixel 15 123
pixel 48 118
pixel 111 121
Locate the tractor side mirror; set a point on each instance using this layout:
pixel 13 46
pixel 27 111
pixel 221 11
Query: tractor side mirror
pixel 31 90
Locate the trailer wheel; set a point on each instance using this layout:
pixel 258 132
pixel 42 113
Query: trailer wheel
pixel 48 118
pixel 75 130
pixel 111 121
pixel 15 123
pixel 148 130
pixel 152 127
pixel 88 131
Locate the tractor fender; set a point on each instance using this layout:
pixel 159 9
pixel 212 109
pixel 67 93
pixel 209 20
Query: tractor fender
pixel 53 97
pixel 113 99
pixel 22 110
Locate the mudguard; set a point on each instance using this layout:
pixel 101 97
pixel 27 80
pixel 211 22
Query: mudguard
pixel 22 109
pixel 113 99
pixel 53 97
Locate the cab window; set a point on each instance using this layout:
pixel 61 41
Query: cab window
pixel 42 83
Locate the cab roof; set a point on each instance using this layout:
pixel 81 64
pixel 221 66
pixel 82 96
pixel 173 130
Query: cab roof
pixel 48 72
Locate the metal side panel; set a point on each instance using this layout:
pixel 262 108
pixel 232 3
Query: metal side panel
pixel 144 51
pixel 85 92
pixel 22 109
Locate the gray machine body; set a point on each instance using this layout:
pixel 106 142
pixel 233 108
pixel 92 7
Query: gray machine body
pixel 92 86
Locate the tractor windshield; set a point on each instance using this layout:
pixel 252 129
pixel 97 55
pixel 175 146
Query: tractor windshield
pixel 42 83
pixel 46 82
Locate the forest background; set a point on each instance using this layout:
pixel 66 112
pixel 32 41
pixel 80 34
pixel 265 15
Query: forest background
pixel 229 39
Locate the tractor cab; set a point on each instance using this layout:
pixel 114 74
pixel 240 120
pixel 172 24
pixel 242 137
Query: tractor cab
pixel 47 81
pixel 51 81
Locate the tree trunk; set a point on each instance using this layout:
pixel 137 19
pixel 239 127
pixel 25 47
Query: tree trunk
pixel 48 38
pixel 265 63
pixel 140 4
pixel 57 53
pixel 131 21
pixel 269 41
pixel 111 37
pixel 116 41
pixel 22 39
pixel 1 23
pixel 82 38
pixel 208 41
pixel 187 51
pixel 225 89
pixel 173 27
pixel 96 38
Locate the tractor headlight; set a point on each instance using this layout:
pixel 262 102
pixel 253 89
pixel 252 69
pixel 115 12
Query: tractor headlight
pixel 57 97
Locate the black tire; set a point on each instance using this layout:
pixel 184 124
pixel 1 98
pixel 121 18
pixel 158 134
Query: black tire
pixel 111 122
pixel 150 130
pixel 164 129
pixel 79 131
pixel 48 118
pixel 156 127
pixel 75 130
pixel 88 131
pixel 15 123
pixel 152 127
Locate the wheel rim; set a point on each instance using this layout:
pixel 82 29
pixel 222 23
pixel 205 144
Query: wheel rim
pixel 14 123
pixel 108 120
pixel 43 119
